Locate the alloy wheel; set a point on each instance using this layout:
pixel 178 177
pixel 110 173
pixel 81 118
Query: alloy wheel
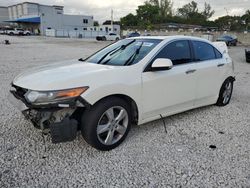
pixel 112 125
pixel 227 92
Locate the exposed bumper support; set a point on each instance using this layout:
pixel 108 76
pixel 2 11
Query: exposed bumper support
pixel 56 118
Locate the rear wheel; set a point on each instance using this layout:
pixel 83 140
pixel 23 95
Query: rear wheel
pixel 225 93
pixel 107 123
pixel 104 38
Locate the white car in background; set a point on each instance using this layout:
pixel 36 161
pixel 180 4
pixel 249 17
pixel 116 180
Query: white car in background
pixel 17 31
pixel 2 31
pixel 110 37
pixel 132 81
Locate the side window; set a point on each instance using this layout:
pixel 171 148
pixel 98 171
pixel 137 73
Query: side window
pixel 217 54
pixel 178 52
pixel 203 51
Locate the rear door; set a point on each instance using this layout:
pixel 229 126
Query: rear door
pixel 209 64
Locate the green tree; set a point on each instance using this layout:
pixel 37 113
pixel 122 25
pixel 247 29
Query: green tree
pixel 246 19
pixel 208 12
pixel 233 23
pixel 165 7
pixel 147 14
pixel 96 23
pixel 188 10
pixel 129 20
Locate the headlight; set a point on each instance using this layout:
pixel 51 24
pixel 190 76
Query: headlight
pixel 40 97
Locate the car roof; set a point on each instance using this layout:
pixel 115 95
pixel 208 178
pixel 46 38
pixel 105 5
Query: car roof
pixel 174 37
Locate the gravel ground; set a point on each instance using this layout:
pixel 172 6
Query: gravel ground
pixel 149 157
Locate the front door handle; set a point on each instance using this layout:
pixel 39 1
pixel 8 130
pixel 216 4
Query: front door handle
pixel 190 71
pixel 220 65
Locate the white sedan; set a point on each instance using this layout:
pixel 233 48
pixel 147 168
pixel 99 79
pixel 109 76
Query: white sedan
pixel 110 37
pixel 132 81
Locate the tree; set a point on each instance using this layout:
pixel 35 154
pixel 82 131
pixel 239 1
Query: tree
pixel 147 13
pixel 191 13
pixel 188 10
pixel 129 20
pixel 96 23
pixel 246 19
pixel 165 7
pixel 208 12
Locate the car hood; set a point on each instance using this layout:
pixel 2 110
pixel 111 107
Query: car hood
pixel 62 75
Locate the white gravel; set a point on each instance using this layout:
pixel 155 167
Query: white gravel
pixel 148 158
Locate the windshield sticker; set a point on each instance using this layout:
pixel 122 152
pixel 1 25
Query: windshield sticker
pixel 145 44
pixel 148 44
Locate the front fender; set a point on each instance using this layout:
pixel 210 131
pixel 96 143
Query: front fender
pixel 132 91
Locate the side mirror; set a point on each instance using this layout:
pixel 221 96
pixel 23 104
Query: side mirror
pixel 161 64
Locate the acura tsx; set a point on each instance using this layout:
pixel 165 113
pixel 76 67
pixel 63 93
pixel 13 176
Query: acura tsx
pixel 132 81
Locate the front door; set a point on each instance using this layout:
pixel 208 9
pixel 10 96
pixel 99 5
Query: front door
pixel 170 91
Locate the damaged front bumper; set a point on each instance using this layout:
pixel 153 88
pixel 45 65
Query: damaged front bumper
pixel 60 118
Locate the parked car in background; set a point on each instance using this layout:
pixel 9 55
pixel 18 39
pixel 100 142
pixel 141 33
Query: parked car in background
pixel 134 34
pixel 247 53
pixel 230 40
pixel 110 36
pixel 14 31
pixel 26 32
pixel 17 31
pixel 2 31
pixel 132 81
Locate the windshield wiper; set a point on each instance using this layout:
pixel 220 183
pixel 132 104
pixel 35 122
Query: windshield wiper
pixel 112 52
pixel 133 56
pixel 81 59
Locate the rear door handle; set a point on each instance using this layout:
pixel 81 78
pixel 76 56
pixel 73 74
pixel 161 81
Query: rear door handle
pixel 190 71
pixel 220 65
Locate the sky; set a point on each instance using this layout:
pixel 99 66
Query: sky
pixel 101 9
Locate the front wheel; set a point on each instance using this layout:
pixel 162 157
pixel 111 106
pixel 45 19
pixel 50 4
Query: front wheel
pixel 105 125
pixel 225 93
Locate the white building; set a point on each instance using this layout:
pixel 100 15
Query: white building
pixel 3 15
pixel 106 28
pixel 38 18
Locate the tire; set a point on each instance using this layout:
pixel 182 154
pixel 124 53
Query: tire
pixel 117 39
pixel 112 131
pixel 225 93
pixel 104 38
pixel 11 34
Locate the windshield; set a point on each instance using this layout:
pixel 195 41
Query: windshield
pixel 124 52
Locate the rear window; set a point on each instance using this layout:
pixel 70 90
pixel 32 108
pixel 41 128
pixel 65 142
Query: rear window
pixel 203 51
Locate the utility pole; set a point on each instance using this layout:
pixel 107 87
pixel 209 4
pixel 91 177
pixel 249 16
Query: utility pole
pixel 112 18
pixel 229 23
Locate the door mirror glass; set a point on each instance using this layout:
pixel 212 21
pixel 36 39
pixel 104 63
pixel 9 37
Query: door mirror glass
pixel 161 64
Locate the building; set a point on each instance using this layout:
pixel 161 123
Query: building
pixel 106 28
pixel 3 15
pixel 38 18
